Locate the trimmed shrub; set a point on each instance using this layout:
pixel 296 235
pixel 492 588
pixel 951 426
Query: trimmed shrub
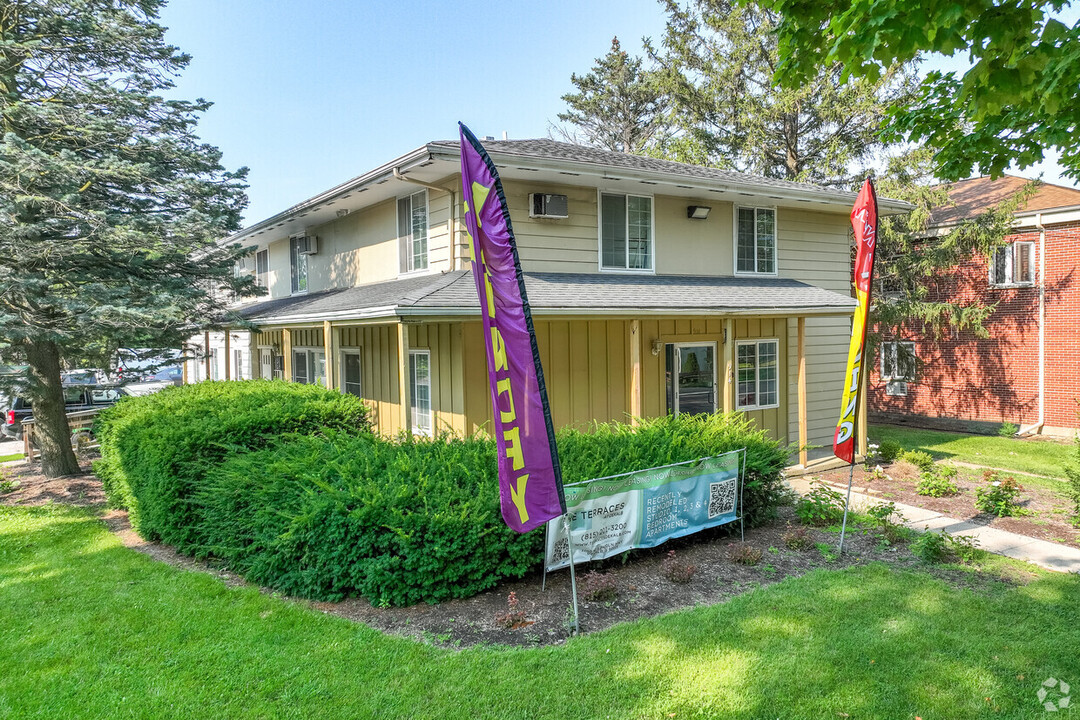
pixel 329 512
pixel 889 450
pixel 156 449
pixel 919 458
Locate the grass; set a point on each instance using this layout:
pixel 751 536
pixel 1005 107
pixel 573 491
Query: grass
pixel 1039 457
pixel 92 629
pixel 16 456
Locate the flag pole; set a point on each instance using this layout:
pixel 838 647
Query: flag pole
pixel 573 577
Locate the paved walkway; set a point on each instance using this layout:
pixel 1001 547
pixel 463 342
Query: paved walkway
pixel 1052 556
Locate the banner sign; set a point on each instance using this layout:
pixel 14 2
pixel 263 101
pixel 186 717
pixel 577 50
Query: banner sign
pixel 643 509
pixel 864 220
pixel 530 480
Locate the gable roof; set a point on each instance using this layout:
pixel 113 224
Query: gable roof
pixel 435 160
pixel 454 293
pixel 977 195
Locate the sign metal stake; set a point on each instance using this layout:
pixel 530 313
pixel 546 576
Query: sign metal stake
pixel 573 578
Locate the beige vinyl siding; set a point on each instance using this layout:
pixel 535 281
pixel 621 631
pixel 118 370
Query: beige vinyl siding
pixel 692 247
pixel 280 280
pixel 813 247
pixel 550 245
pixel 357 249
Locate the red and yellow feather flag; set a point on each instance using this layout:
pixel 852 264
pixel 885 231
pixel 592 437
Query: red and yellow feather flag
pixel 864 220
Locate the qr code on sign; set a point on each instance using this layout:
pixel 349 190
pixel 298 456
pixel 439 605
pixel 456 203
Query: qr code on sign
pixel 721 498
pixel 561 552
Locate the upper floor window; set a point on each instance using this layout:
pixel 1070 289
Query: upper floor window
pixel 755 240
pixel 1013 264
pixel 626 232
pixel 298 264
pixel 412 212
pixel 262 268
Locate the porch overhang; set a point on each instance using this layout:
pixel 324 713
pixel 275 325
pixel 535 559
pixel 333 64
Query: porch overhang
pixel 452 295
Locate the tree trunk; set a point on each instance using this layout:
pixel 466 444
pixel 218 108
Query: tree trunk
pixel 51 431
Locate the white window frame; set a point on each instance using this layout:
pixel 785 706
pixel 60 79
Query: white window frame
pixel 735 240
pixel 310 364
pixel 407 264
pixel 297 260
pixel 215 371
pixel 238 364
pixel 1011 251
pixel 341 373
pixel 600 193
pixel 262 279
pixel 416 428
pixel 757 342
pixel 892 348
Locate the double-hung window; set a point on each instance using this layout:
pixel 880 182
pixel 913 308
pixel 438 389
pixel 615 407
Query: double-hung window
pixel 413 232
pixel 420 390
pixel 755 240
pixel 626 232
pixel 898 361
pixel 238 364
pixel 262 268
pixel 758 374
pixel 298 262
pixel 1013 264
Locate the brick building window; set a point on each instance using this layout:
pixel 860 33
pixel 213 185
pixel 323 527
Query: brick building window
pixel 1013 264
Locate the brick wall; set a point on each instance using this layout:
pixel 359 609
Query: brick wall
pixel 995 379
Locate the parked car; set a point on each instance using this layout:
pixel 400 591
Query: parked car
pixel 76 398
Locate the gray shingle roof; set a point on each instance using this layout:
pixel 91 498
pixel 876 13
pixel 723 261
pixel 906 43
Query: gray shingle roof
pixel 586 293
pixel 554 150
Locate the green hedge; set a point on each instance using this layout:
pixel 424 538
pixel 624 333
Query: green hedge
pixel 156 449
pixel 407 520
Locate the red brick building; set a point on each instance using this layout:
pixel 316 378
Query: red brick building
pixel 1028 371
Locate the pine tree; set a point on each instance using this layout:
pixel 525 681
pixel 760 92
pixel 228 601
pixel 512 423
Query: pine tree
pixel 716 63
pixel 110 205
pixel 618 105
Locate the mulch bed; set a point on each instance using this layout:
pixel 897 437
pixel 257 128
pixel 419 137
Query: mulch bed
pixel 1049 517
pixel 643 589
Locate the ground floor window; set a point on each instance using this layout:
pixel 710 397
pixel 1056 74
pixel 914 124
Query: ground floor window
pixel 420 390
pixel 238 364
pixel 350 373
pixel 214 374
pixel 309 366
pixel 758 371
pixel 898 360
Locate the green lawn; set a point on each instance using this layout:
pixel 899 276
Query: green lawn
pixel 16 456
pixel 1039 457
pixel 93 630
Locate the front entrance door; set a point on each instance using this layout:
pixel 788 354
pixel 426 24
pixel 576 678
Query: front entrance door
pixel 692 366
pixel 266 365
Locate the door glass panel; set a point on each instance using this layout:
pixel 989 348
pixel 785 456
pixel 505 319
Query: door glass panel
pixel 697 379
pixel 351 384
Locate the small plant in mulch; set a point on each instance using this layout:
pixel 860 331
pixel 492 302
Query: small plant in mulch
pixel 744 554
pixel 939 547
pixel 821 506
pixel 938 482
pixel 7 483
pixel 888 450
pixel 798 538
pixel 886 522
pixel 599 587
pixel 999 496
pixel 676 570
pixel 514 617
pixel 919 458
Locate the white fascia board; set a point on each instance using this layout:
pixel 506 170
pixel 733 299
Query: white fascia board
pixel 416 156
pixel 830 197
pixel 1056 216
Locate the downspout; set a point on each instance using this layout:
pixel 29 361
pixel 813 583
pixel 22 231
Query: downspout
pixel 1038 426
pixel 450 224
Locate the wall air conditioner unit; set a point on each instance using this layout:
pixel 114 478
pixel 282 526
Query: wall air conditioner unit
pixel 543 205
pixel 307 244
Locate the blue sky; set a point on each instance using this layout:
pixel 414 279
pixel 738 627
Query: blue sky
pixel 309 94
